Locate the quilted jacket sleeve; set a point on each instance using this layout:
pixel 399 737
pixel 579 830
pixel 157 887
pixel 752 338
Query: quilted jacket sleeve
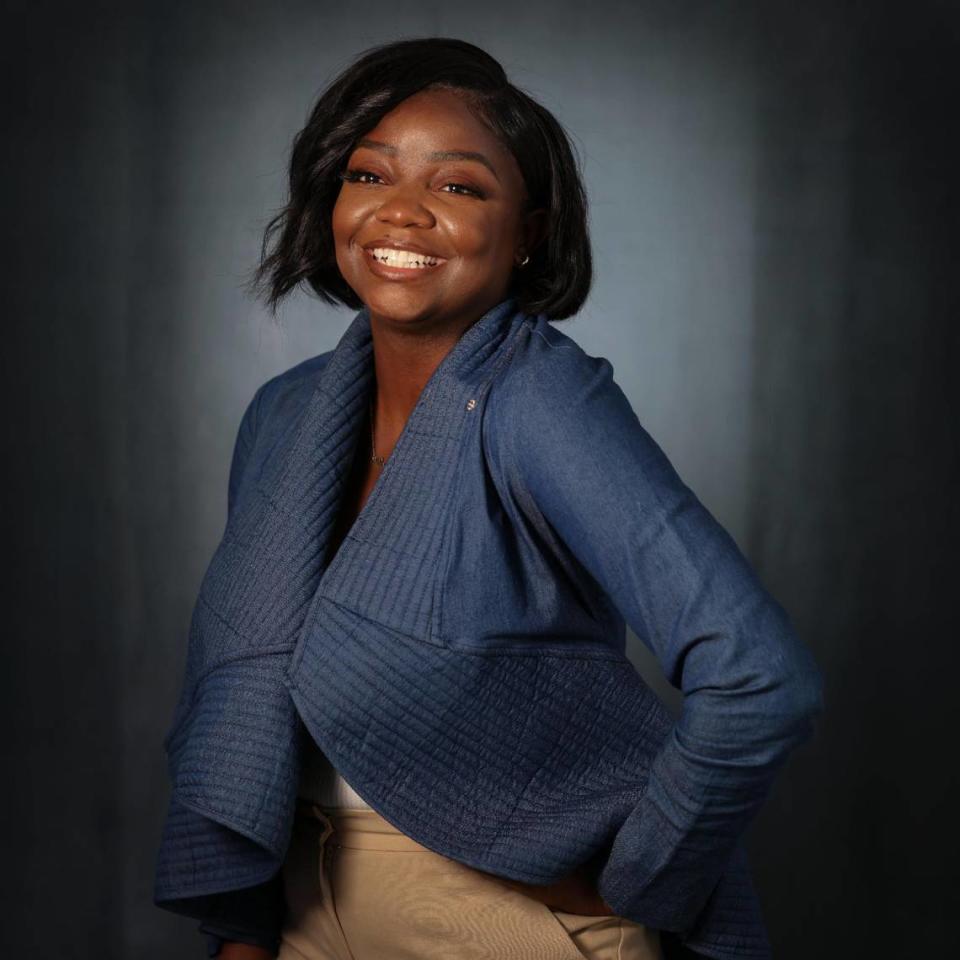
pixel 751 687
pixel 252 914
pixel 243 444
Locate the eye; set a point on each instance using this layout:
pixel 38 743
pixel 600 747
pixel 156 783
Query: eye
pixel 358 176
pixel 469 190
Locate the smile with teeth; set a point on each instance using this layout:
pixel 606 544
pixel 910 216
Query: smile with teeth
pixel 406 259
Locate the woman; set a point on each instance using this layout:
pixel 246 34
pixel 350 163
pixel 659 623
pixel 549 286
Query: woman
pixel 408 727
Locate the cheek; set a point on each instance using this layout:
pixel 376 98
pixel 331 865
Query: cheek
pixel 342 223
pixel 345 222
pixel 485 237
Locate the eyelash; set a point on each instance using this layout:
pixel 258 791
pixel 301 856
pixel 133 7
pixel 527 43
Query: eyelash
pixel 353 176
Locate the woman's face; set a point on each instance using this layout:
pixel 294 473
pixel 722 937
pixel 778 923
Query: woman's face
pixel 408 184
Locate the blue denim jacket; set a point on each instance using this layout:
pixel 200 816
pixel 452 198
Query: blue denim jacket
pixel 461 658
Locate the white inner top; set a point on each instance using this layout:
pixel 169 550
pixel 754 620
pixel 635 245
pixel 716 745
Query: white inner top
pixel 321 783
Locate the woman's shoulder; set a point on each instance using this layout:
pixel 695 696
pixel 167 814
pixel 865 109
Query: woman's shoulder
pixel 302 375
pixel 548 376
pixel 285 393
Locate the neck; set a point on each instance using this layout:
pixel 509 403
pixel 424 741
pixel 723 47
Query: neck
pixel 404 359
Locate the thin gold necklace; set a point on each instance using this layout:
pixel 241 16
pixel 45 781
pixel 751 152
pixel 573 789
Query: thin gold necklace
pixel 373 450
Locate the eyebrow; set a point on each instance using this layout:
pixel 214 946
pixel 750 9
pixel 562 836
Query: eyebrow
pixel 436 155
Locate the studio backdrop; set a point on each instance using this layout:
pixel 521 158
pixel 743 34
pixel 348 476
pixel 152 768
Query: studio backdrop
pixel 773 217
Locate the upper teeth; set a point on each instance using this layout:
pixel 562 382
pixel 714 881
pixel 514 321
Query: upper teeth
pixel 403 258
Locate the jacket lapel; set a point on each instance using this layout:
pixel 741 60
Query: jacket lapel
pixel 386 566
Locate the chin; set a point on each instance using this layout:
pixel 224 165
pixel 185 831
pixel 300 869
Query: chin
pixel 401 305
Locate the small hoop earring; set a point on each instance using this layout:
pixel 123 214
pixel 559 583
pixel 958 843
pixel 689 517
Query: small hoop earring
pixel 524 261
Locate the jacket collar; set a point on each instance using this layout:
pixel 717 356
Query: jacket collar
pixel 386 564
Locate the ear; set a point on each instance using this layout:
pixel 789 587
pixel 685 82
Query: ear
pixel 533 229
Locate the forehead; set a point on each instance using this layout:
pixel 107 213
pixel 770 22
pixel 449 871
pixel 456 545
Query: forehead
pixel 439 120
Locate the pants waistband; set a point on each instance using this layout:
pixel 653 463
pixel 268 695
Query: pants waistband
pixel 363 829
pixel 358 829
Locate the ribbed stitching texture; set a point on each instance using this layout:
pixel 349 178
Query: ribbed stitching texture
pixel 387 564
pixel 390 714
pixel 516 765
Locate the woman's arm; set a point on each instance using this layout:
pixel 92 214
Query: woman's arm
pixel 242 923
pixel 243 444
pixel 245 924
pixel 580 461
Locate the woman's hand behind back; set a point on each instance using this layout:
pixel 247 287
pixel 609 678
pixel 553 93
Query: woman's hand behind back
pixel 244 951
pixel 574 893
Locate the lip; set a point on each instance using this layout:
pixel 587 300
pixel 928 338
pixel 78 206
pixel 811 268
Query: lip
pixel 399 273
pixel 394 244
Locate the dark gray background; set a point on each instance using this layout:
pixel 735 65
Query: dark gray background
pixel 774 217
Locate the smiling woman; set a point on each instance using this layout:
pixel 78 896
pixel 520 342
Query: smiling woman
pixel 429 138
pixel 412 187
pixel 408 726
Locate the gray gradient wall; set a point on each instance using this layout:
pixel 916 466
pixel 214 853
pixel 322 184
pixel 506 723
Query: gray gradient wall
pixel 773 214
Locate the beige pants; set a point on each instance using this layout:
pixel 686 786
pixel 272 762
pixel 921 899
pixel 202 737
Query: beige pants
pixel 358 889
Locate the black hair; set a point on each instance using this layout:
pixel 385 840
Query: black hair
pixel 298 242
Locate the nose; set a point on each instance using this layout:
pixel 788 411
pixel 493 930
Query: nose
pixel 403 208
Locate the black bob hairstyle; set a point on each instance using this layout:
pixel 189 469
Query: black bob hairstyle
pixel 298 242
